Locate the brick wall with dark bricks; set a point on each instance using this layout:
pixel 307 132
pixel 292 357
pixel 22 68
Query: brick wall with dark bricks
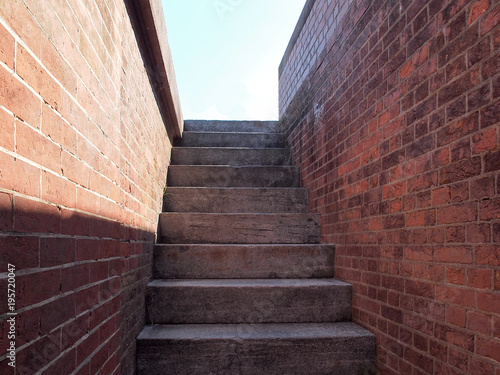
pixel 83 159
pixel 392 111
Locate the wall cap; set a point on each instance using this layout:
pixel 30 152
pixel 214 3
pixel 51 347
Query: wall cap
pixel 296 33
pixel 151 28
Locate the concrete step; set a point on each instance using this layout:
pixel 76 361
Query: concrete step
pixel 243 261
pixel 249 301
pixel 231 126
pixel 229 156
pixel 227 176
pixel 214 139
pixel 192 228
pixel 271 349
pixel 236 200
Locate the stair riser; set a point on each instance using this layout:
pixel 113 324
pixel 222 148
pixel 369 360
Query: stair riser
pixel 231 126
pixel 243 262
pixel 213 176
pixel 192 228
pixel 247 304
pixel 253 140
pixel 257 357
pixel 236 200
pixel 228 156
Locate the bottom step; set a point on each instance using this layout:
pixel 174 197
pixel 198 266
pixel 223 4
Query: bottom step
pixel 248 349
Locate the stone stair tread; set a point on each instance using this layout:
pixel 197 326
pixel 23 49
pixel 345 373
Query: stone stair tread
pixel 229 156
pixel 236 200
pixel 220 261
pixel 233 176
pixel 237 228
pixel 214 301
pixel 229 125
pixel 230 139
pixel 245 283
pixel 158 333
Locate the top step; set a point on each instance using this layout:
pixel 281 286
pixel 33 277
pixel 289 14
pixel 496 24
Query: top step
pixel 232 126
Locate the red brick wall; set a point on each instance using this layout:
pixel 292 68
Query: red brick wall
pixel 393 114
pixel 83 159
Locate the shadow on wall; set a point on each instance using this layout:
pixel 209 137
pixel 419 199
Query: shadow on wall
pixel 79 283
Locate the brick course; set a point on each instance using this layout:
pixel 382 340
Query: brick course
pixel 391 111
pixel 84 152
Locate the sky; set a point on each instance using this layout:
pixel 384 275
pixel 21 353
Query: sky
pixel 226 55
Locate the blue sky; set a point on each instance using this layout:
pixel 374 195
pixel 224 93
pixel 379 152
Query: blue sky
pixel 226 55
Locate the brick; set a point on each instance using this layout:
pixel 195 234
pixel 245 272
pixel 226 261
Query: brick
pixel 75 223
pixel 477 9
pixel 420 218
pixel 17 98
pixel 87 347
pixel 489 209
pixel 23 252
pixel 7 130
pixel 479 97
pixel 441 196
pixel 453 254
pixel 56 313
pixel 63 364
pixel 75 170
pixel 23 24
pixel 492 161
pixel 480 367
pixel 56 251
pixel 37 148
pixel 38 78
pixel 490 115
pixel 484 141
pixel 488 22
pixel 419 288
pixel 55 64
pixel 488 349
pixel 27 324
pixel 461 170
pixel 458 129
pixel 457 214
pixel 487 255
pixel 37 287
pixel 58 130
pixel 488 301
pixel 7 47
pixel 36 217
pixel 455 275
pixel 74 277
pixel 87 201
pixel 87 249
pixel 98 271
pixel 479 278
pixel 456 316
pixel 422 181
pixel 6 212
pixel 58 190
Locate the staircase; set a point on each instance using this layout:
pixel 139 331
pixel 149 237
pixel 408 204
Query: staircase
pixel 242 284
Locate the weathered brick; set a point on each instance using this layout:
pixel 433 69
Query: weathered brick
pixel 36 217
pixel 58 190
pixel 56 251
pixel 453 254
pixel 457 214
pixel 460 171
pixel 38 78
pixel 23 252
pixel 491 20
pixel 36 147
pixel 7 47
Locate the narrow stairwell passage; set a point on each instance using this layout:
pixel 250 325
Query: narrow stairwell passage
pixel 242 283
